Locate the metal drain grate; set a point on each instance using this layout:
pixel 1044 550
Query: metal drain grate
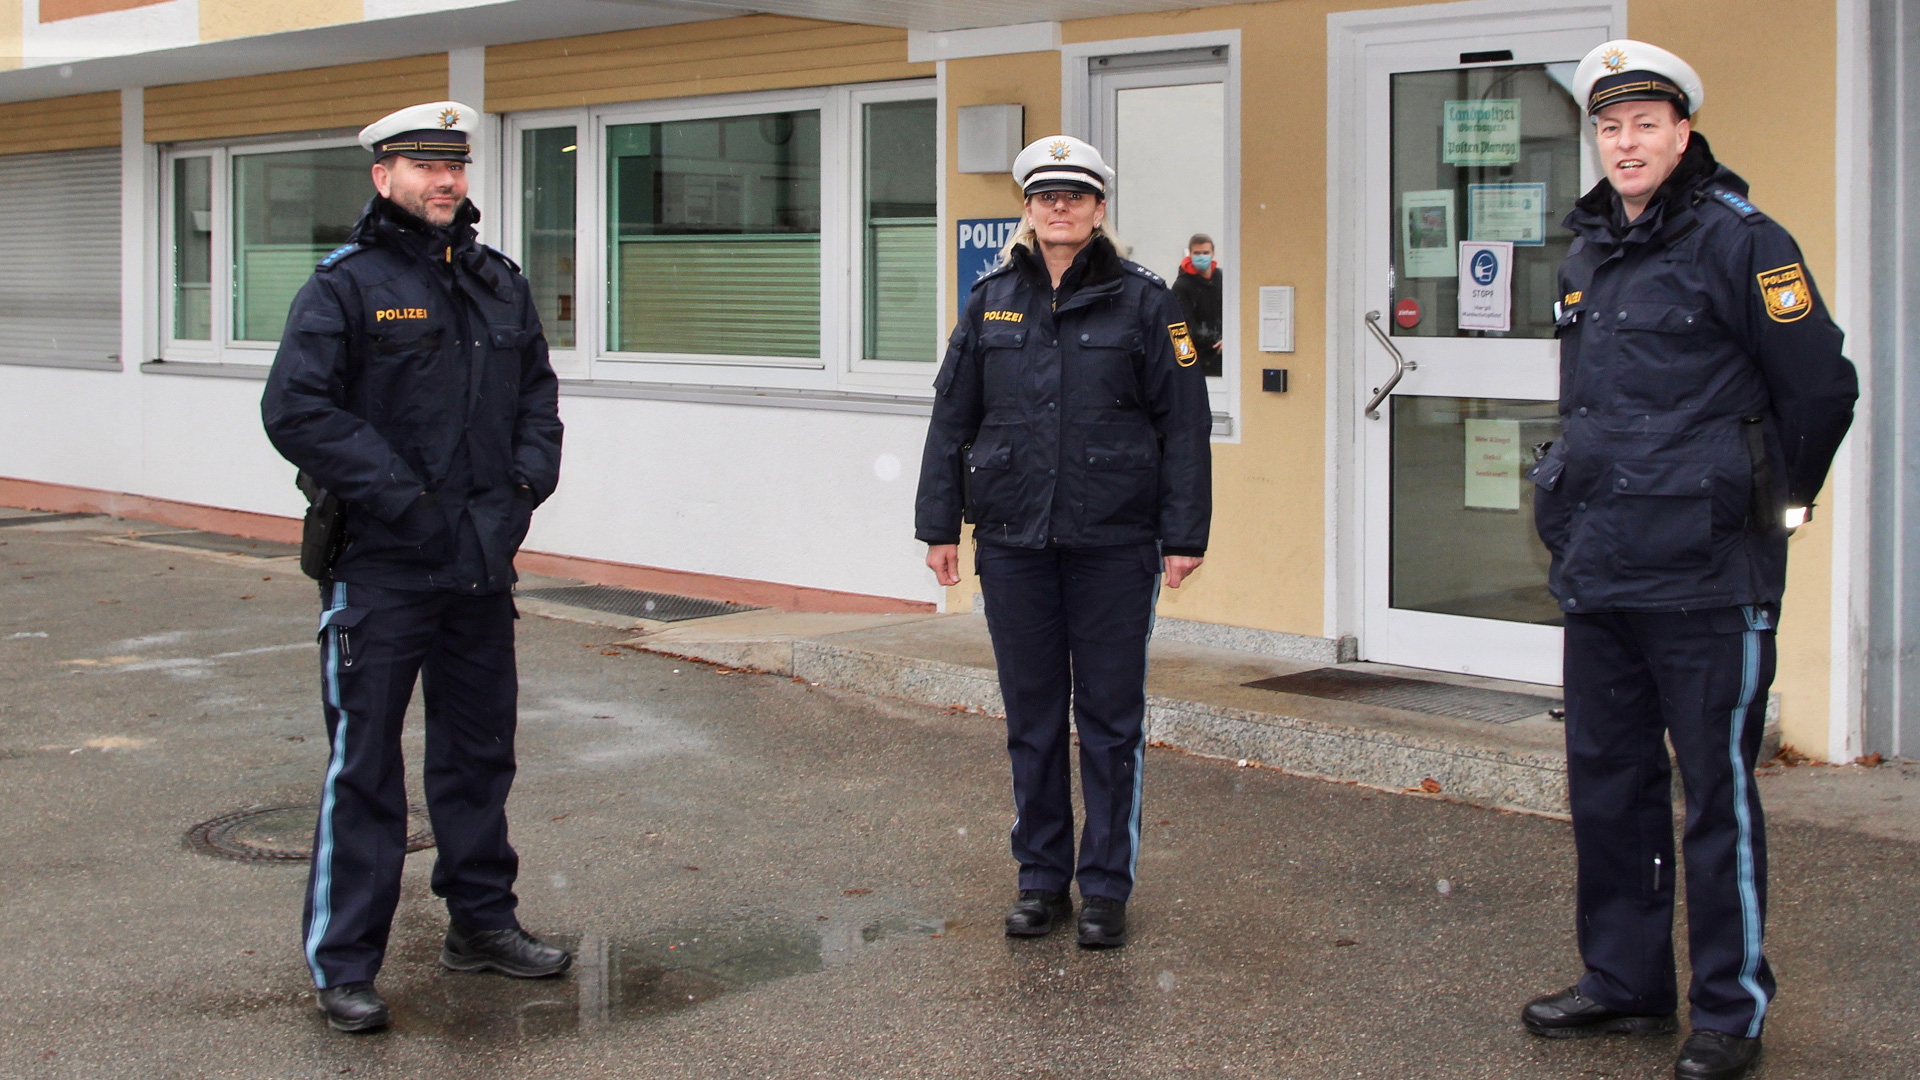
pixel 636 603
pixel 1415 695
pixel 40 519
pixel 281 833
pixel 226 545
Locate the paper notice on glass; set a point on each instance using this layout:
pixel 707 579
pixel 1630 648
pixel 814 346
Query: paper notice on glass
pixel 1486 285
pixel 1276 318
pixel 1515 212
pixel 1480 132
pixel 1427 233
pixel 1493 464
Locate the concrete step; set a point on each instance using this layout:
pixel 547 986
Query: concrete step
pixel 1197 702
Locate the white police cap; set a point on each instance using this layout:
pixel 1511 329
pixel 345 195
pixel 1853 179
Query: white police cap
pixel 1628 70
pixel 436 131
pixel 1061 163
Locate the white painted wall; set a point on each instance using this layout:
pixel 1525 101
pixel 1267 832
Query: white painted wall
pixel 798 496
pixel 801 496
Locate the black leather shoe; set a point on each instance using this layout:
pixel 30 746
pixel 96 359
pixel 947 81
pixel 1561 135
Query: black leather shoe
pixel 1103 922
pixel 1037 912
pixel 354 1007
pixel 510 952
pixel 1715 1055
pixel 1570 1014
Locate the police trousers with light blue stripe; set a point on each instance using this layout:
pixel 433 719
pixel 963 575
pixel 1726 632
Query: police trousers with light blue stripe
pixel 373 643
pixel 1070 628
pixel 1635 680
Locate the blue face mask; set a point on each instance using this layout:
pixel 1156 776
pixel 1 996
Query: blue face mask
pixel 1202 263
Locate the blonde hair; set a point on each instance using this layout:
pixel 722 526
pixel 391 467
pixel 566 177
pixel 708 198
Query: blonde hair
pixel 1025 237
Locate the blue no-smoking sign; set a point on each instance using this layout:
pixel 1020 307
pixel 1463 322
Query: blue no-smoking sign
pixel 977 251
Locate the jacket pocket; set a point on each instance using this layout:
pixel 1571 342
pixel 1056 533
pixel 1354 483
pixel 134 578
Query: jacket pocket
pixel 989 482
pixel 337 630
pixel 1661 514
pixel 1660 318
pixel 1005 368
pixel 1552 509
pixel 519 520
pixel 1122 483
pixel 1114 359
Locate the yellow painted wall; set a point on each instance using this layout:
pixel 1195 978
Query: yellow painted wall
pixel 1770 71
pixel 722 56
pixel 347 96
pixel 222 19
pixel 10 23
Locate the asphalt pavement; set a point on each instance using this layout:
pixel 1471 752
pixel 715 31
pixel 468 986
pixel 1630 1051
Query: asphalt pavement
pixel 765 878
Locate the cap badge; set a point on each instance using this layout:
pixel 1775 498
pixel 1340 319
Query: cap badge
pixel 449 117
pixel 1615 60
pixel 1059 149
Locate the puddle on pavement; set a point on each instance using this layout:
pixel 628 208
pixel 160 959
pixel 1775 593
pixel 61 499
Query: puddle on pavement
pixel 615 980
pixel 612 980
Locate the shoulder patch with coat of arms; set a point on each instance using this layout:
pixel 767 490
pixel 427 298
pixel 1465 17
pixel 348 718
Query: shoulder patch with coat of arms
pixel 1184 353
pixel 1789 297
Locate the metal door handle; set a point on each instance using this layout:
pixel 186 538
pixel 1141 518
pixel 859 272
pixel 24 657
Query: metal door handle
pixel 1401 365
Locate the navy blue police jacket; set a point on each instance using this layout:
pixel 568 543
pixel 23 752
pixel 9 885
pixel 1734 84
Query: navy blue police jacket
pixel 413 382
pixel 1702 392
pixel 1075 418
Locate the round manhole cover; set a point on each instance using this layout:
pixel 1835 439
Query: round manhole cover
pixel 281 833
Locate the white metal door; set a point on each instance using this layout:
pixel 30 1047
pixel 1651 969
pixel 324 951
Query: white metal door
pixel 1465 139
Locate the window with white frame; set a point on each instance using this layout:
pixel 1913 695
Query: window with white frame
pixel 243 227
pixel 779 240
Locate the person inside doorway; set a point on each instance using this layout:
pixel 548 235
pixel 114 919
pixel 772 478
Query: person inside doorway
pixel 1199 287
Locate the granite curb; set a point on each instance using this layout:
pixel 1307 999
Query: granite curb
pixel 1519 780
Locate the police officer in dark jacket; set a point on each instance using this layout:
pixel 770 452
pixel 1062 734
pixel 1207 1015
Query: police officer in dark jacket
pixel 1702 397
pixel 1071 427
pixel 413 383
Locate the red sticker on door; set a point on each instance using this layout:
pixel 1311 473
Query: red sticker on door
pixel 1407 313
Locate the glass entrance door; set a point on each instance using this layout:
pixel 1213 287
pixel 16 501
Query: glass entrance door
pixel 1159 119
pixel 1473 157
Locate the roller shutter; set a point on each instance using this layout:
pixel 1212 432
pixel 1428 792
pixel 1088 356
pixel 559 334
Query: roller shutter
pixel 60 256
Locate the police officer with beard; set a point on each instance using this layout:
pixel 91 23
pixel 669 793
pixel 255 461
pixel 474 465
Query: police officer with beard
pixel 1702 398
pixel 1070 425
pixel 413 383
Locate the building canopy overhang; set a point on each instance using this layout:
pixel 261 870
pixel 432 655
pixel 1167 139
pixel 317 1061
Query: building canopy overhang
pixel 511 21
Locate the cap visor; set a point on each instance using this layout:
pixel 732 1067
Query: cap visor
pixel 1060 184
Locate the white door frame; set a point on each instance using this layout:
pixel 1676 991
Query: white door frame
pixel 1349 36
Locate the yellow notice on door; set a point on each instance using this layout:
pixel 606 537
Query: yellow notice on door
pixel 1493 464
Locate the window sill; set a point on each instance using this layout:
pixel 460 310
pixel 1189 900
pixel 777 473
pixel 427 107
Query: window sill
pixel 58 362
pixel 834 400
pixel 196 367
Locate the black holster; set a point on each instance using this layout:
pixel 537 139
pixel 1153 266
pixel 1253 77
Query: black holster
pixel 324 533
pixel 966 484
pixel 1764 512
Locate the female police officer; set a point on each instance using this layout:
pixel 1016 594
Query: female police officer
pixel 1070 426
